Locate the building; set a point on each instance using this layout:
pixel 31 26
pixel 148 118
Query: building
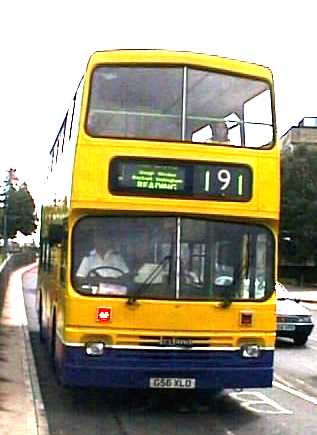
pixel 305 133
pixel 302 135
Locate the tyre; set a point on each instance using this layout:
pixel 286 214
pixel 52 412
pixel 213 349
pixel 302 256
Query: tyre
pixel 53 353
pixel 40 316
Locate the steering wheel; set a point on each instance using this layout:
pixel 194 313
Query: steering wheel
pixel 95 271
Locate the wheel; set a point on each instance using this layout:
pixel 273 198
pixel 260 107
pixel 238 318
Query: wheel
pixel 53 353
pixel 300 340
pixel 40 315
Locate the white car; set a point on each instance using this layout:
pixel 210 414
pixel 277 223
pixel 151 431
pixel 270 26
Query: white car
pixel 293 319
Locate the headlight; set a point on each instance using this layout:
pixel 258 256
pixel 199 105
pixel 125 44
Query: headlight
pixel 293 319
pixel 94 348
pixel 283 319
pixel 250 350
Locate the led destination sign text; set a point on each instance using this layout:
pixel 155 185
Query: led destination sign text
pixel 170 178
pixel 222 181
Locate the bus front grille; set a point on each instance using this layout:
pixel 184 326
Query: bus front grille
pixel 174 341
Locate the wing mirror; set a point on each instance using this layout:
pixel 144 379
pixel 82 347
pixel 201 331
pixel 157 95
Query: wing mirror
pixel 55 234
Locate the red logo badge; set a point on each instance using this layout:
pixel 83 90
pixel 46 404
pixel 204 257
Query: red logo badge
pixel 103 314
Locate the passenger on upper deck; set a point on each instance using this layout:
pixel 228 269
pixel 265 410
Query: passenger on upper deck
pixel 220 131
pixel 216 131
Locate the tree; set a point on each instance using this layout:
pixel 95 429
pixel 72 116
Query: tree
pixel 299 205
pixel 18 213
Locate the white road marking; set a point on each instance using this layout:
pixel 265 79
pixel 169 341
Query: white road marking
pixel 259 403
pixel 283 381
pixel 294 392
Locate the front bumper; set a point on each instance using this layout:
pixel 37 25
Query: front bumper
pixel 212 370
pixel 293 330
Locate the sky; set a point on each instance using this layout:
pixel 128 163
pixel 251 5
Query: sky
pixel 45 46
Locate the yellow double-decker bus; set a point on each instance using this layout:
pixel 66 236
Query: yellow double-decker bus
pixel 159 230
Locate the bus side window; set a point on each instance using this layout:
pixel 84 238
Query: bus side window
pixel 63 256
pixel 45 256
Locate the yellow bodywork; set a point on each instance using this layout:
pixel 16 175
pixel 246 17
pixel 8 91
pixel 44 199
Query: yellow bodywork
pixel 209 323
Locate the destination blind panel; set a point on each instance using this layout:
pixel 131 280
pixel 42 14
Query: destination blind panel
pixel 153 177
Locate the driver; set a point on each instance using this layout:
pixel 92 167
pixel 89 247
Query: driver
pixel 103 255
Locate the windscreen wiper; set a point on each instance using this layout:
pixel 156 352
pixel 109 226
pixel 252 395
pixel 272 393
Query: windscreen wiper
pixel 288 299
pixel 148 280
pixel 226 299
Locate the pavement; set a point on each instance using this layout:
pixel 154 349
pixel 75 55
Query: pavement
pixel 21 406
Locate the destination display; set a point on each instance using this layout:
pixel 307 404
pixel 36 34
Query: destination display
pixel 153 177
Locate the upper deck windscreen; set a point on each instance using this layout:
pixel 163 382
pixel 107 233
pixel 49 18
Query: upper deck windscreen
pixel 179 104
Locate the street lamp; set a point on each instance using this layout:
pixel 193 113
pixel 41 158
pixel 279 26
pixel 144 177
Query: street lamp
pixel 4 205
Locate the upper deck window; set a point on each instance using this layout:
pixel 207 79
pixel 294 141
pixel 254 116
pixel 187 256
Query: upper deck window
pixel 179 104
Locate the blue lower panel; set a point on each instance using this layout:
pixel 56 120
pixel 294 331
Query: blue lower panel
pixel 133 369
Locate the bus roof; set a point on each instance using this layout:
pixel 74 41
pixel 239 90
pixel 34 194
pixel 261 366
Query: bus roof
pixel 180 58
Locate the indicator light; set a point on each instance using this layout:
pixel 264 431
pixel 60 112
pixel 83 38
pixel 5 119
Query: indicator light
pixel 246 318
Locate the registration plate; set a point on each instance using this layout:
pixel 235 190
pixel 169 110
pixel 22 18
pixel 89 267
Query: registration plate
pixel 286 327
pixel 185 383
